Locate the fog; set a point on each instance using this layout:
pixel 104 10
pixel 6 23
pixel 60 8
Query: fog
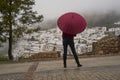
pixel 54 8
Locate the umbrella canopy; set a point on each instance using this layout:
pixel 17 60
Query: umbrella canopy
pixel 71 23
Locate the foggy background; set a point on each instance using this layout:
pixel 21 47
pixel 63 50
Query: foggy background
pixel 94 11
pixel 54 8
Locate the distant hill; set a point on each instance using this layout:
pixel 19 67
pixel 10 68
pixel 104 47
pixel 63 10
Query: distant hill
pixel 103 19
pixel 48 24
pixel 93 19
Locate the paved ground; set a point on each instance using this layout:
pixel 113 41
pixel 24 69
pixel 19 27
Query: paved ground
pixel 98 68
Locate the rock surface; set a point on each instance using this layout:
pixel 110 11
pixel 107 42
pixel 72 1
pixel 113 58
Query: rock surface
pixel 107 45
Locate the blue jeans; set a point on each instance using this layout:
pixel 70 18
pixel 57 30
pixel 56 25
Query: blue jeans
pixel 69 42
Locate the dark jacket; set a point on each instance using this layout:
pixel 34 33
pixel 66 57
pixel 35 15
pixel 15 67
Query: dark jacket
pixel 67 36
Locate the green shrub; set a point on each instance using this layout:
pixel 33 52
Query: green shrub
pixel 3 58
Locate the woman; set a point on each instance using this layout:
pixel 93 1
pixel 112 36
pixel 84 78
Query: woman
pixel 68 39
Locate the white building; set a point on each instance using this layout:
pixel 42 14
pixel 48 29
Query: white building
pixel 51 40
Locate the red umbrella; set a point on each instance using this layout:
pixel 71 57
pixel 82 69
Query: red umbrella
pixel 71 23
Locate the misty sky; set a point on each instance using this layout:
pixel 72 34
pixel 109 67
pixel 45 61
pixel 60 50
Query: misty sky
pixel 54 8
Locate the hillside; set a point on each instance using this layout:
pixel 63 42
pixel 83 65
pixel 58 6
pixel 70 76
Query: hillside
pixel 93 19
pixel 103 19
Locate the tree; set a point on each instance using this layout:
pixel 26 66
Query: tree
pixel 15 17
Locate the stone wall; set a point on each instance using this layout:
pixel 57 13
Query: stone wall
pixel 43 55
pixel 107 45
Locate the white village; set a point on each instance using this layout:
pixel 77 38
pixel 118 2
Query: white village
pixel 51 40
